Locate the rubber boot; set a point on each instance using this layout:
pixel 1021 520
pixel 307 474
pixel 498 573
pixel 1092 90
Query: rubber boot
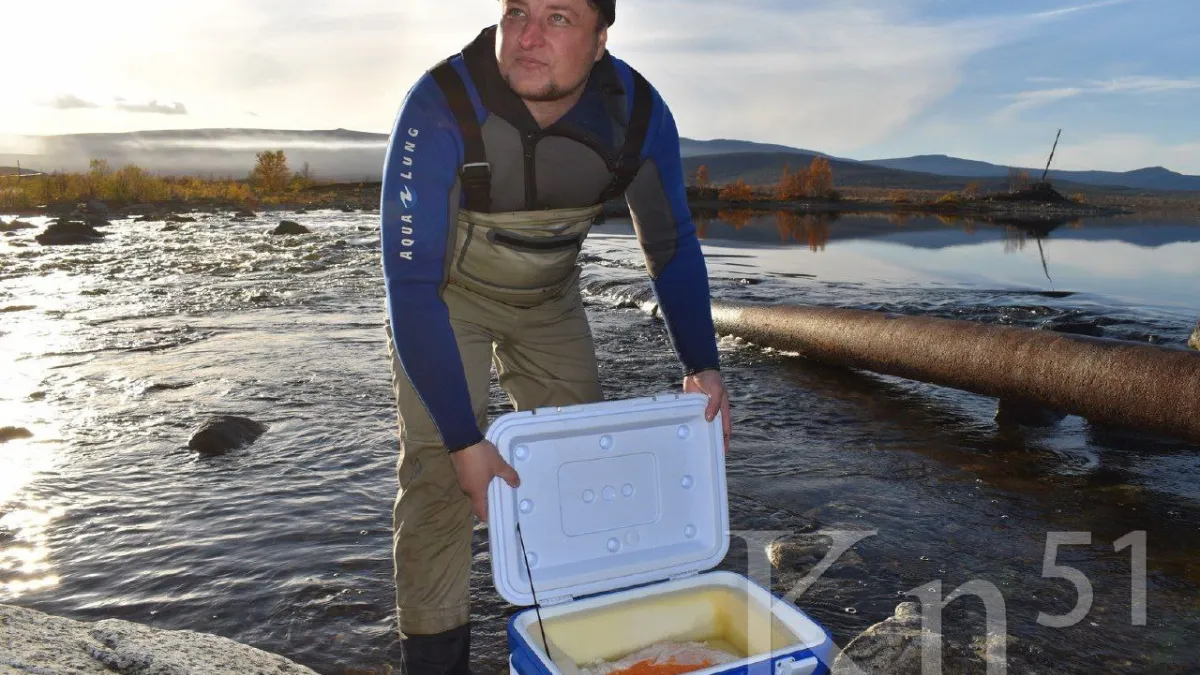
pixel 447 653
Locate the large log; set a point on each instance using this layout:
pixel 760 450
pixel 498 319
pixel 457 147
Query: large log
pixel 1114 382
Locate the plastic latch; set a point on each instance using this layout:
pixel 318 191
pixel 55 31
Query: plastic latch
pixel 557 600
pixel 683 575
pixel 790 666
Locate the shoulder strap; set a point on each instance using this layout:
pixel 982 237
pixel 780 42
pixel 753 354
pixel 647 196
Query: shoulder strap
pixel 476 172
pixel 629 162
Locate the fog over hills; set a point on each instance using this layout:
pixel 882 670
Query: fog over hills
pixel 346 155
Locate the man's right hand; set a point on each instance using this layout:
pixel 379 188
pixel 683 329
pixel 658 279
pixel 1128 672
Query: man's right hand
pixel 476 466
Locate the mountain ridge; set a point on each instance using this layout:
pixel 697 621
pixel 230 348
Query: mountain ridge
pixel 346 154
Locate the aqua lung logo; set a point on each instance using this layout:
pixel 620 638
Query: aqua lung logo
pixel 407 199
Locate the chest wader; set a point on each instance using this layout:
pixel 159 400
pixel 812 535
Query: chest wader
pixel 514 302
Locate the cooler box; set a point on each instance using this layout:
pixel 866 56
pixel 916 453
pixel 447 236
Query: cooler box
pixel 622 511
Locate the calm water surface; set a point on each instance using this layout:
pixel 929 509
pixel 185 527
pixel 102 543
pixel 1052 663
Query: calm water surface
pixel 112 353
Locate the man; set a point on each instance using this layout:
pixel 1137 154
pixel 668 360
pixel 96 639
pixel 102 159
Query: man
pixel 500 159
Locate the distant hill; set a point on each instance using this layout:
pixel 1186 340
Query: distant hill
pixel 336 154
pixel 1154 178
pixel 721 146
pixel 347 155
pixel 765 168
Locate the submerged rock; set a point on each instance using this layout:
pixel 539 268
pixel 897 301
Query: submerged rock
pixel 290 227
pixel 219 435
pixel 13 433
pixel 16 225
pixel 1011 411
pixel 35 642
pixel 68 232
pixel 176 218
pixel 894 647
pixel 1074 327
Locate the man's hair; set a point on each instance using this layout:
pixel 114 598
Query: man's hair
pixel 601 22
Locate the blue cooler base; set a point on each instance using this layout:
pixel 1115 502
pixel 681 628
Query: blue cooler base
pixel 773 637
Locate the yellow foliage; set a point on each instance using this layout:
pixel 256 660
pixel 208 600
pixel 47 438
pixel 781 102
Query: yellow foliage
pixel 738 191
pixel 814 182
pixel 128 185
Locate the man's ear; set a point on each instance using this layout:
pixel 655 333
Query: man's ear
pixel 601 43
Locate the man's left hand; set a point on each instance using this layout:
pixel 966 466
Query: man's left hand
pixel 711 383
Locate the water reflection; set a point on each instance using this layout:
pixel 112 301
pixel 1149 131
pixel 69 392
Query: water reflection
pixel 1130 260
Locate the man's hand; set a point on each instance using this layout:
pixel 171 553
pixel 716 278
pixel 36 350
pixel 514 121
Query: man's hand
pixel 476 466
pixel 710 382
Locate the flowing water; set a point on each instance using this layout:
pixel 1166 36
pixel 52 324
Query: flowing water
pixel 112 353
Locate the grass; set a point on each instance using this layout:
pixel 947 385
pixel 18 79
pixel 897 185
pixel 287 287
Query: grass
pixel 132 185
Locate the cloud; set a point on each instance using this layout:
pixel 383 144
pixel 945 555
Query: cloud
pixel 70 102
pixel 152 106
pixel 1141 84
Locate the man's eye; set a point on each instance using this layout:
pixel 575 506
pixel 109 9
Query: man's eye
pixel 559 18
pixel 513 13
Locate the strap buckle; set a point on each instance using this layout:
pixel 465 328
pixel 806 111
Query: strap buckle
pixel 477 172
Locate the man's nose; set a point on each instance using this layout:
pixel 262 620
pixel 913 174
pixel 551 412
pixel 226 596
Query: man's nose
pixel 532 34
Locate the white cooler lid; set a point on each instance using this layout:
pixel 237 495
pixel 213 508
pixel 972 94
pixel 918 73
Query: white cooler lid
pixel 613 494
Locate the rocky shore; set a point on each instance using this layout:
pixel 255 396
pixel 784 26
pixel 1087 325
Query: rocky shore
pixel 35 642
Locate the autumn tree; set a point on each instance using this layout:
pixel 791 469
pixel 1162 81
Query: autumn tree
pixel 820 178
pixel 738 191
pixel 702 176
pixel 270 174
pixel 1018 179
pixel 792 185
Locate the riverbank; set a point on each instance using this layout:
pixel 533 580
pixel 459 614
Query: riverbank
pixel 352 197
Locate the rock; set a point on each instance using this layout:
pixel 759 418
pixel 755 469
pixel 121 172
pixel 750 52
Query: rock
pixel 290 227
pixel 35 642
pixel 1194 341
pixel 95 207
pixel 176 218
pixel 16 308
pixel 219 435
pixel 169 227
pixel 894 647
pixel 68 232
pixel 16 225
pixel 245 214
pixel 12 433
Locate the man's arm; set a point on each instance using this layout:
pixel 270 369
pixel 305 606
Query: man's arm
pixel 418 209
pixel 657 201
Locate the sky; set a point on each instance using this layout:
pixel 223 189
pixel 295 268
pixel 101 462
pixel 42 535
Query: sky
pixel 991 80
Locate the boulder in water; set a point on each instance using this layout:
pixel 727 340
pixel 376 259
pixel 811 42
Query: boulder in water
pixel 1194 341
pixel 290 227
pixel 245 213
pixel 16 225
pixel 176 218
pixel 894 647
pixel 218 435
pixel 68 232
pixel 13 433
pixel 35 642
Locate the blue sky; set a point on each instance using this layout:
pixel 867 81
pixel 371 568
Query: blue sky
pixel 983 79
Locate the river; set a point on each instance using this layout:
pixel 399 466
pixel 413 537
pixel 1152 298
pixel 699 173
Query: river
pixel 113 352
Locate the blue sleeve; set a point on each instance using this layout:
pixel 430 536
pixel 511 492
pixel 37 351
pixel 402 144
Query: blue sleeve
pixel 417 226
pixel 682 285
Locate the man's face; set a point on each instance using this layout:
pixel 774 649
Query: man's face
pixel 546 48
